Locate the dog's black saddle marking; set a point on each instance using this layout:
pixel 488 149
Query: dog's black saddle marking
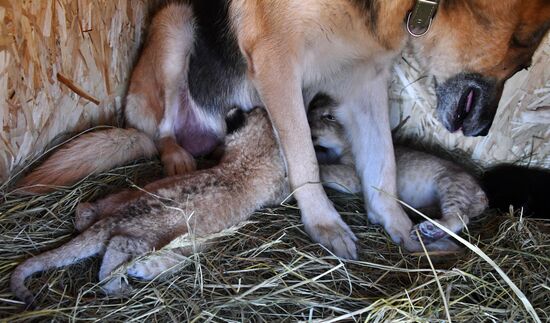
pixel 216 64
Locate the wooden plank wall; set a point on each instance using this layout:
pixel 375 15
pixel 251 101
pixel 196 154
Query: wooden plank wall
pixel 63 67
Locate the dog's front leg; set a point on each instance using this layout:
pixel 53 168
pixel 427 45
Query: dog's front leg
pixel 279 85
pixel 366 118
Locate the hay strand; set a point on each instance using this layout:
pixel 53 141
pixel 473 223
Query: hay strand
pixel 443 297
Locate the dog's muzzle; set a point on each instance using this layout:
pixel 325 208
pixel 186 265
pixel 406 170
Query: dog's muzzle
pixel 468 102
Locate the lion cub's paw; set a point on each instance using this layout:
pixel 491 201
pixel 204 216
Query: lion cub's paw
pixel 144 269
pixel 429 232
pixel 154 265
pixel 86 215
pixel 116 286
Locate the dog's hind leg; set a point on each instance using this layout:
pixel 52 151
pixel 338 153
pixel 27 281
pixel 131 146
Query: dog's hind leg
pixel 175 65
pixel 158 88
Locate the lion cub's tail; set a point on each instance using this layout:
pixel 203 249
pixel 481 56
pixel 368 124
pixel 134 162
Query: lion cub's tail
pixel 90 153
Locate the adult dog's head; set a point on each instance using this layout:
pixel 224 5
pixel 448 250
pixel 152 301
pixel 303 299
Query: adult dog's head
pixel 473 47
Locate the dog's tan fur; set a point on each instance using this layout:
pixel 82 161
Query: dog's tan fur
pixel 492 38
pixel 250 175
pixel 345 48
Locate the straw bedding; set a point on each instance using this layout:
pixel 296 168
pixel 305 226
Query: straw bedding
pixel 268 269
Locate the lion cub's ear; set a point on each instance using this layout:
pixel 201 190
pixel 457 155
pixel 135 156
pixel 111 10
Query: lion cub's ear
pixel 321 100
pixel 234 120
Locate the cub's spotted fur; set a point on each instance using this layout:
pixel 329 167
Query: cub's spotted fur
pixel 251 174
pixel 423 180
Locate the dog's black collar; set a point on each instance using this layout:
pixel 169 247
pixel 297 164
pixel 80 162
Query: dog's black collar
pixel 419 20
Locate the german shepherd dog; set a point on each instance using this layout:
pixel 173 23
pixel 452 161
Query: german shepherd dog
pixel 203 57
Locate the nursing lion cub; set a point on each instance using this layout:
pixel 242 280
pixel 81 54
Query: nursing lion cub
pixel 424 181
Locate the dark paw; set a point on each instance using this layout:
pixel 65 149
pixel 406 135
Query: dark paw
pixel 428 231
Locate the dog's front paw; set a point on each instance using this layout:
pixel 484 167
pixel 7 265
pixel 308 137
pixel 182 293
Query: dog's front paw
pixel 429 232
pixel 177 161
pixel 399 229
pixel 333 233
pixel 86 215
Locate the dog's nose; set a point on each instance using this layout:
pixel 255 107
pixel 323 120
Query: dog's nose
pixel 468 101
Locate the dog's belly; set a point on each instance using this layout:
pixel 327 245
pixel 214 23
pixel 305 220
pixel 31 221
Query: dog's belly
pixel 193 135
pixel 216 80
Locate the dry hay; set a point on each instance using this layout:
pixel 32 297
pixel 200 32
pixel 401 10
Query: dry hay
pixel 268 270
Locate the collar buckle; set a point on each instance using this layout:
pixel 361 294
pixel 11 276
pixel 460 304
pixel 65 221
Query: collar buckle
pixel 419 20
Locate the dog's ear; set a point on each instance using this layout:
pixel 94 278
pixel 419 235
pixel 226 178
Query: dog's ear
pixel 321 100
pixel 235 120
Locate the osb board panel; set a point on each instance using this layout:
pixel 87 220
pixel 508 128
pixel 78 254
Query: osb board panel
pixel 520 132
pixel 63 66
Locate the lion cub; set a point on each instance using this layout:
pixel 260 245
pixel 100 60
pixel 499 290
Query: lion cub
pixel 251 174
pixel 423 180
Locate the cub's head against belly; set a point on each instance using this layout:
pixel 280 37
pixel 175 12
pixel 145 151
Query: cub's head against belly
pixel 327 133
pixel 472 48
